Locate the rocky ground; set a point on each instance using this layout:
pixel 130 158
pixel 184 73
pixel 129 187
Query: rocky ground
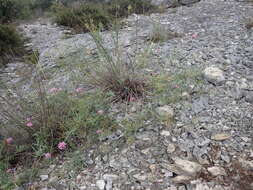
pixel 209 144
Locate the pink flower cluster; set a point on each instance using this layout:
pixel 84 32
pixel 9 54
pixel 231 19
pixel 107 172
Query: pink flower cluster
pixel 62 145
pixel 78 90
pixel 9 140
pixel 48 155
pixel 54 90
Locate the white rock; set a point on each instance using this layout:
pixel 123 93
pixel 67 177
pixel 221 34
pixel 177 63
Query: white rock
pixel 110 177
pixel 220 136
pixel 216 171
pixel 43 177
pixel 214 75
pixel 100 184
pixel 165 111
pixel 140 177
pixel 181 179
pixel 187 166
pixel 165 133
pixel 171 148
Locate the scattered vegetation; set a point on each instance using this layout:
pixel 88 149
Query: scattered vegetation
pixel 249 24
pixel 171 88
pixel 123 8
pixel 80 16
pixel 10 42
pixel 160 34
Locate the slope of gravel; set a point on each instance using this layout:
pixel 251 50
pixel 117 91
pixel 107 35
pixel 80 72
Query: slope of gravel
pixel 210 144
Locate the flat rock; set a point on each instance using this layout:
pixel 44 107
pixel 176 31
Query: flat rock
pixel 182 179
pixel 188 167
pixel 220 137
pixel 214 75
pixel 216 171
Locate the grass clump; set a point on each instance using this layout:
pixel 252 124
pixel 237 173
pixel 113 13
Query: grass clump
pixel 10 42
pixel 116 75
pixel 81 17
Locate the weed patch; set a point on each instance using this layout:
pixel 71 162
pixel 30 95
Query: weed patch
pixel 169 88
pixel 161 34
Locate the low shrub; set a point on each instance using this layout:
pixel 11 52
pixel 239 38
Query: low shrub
pixel 78 15
pixel 81 17
pixel 10 42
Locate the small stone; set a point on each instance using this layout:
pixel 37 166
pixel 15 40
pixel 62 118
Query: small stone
pixel 140 177
pixel 186 95
pixel 43 177
pixel 165 133
pixel 171 148
pixel 110 177
pixel 100 184
pixel 216 171
pixel 165 111
pixel 189 167
pixel 220 137
pixel 214 75
pixel 249 97
pixel 182 179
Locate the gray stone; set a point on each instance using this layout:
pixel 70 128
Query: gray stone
pixel 214 75
pixel 249 96
pixel 199 104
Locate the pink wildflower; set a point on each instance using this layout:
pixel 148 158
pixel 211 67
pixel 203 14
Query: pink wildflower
pixel 28 119
pixel 54 90
pixel 194 36
pixel 29 124
pixel 48 155
pixel 132 99
pixel 62 145
pixel 78 90
pixel 100 112
pixel 9 140
pixel 99 131
pixel 10 170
